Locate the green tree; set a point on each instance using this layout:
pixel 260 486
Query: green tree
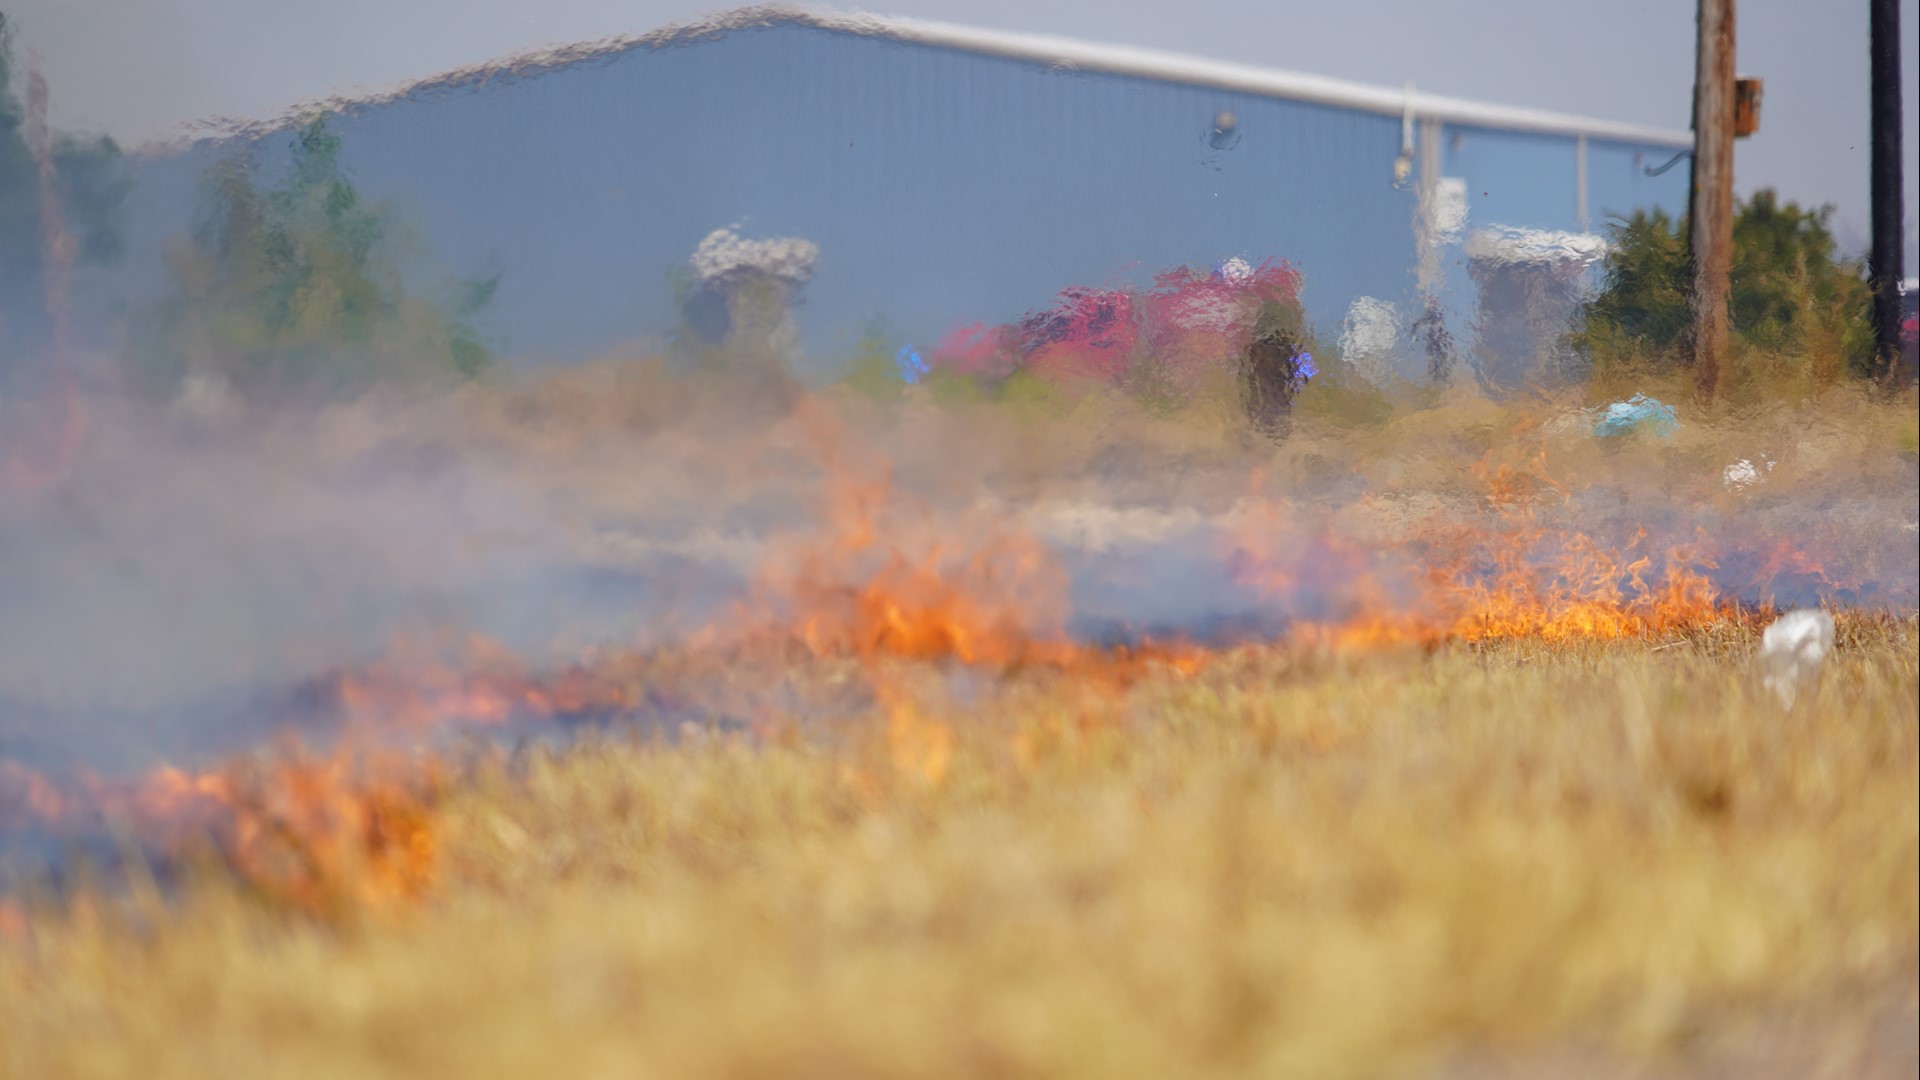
pixel 91 184
pixel 291 290
pixel 1793 303
pixel 94 184
pixel 875 370
pixel 22 318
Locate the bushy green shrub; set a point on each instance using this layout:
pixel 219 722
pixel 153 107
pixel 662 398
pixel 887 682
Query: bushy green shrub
pixel 1793 300
pixel 292 290
pixel 873 371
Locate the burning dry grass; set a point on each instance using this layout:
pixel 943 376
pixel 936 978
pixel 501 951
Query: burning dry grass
pixel 1285 863
pixel 1499 783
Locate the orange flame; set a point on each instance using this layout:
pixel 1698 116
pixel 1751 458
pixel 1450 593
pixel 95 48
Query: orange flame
pixel 881 585
pixel 320 833
pixel 861 589
pixel 1518 576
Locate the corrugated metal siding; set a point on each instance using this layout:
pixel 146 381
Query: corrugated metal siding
pixel 1515 178
pixel 942 186
pixel 1618 184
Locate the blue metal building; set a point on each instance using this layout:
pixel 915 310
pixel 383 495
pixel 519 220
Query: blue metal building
pixel 946 175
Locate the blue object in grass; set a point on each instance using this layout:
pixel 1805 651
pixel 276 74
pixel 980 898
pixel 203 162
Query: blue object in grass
pixel 912 367
pixel 1637 413
pixel 1303 366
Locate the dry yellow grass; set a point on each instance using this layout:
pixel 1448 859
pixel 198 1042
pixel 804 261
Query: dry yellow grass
pixel 1607 860
pixel 1503 860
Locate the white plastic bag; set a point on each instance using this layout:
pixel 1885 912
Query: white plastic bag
pixel 1792 652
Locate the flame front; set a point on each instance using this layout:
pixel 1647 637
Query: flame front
pixel 319 832
pixel 1521 569
pixel 885 582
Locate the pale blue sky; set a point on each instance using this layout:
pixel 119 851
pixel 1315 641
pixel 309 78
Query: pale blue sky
pixel 137 68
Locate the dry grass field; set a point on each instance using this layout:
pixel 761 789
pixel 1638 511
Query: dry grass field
pixel 1501 796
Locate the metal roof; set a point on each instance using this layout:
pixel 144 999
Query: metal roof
pixel 1058 52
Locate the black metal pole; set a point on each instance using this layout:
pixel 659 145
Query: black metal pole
pixel 1888 198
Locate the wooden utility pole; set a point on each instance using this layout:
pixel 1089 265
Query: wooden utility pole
pixel 1889 213
pixel 1710 205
